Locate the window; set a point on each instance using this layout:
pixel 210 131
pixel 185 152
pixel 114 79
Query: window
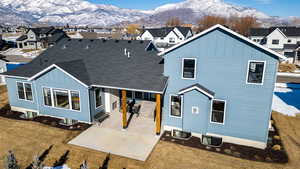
pixel 47 97
pixel 98 97
pixel 255 72
pixel 129 94
pixel 275 41
pixel 211 141
pixel 181 134
pixel 189 67
pixel 21 92
pixel 25 44
pixel 289 40
pixel 75 100
pixel 61 99
pixel 24 91
pixel 171 40
pixel 28 91
pixel 65 99
pixel 195 110
pixel 218 111
pixel 176 106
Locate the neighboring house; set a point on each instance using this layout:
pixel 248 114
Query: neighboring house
pixel 214 86
pixel 40 38
pixel 14 61
pixel 276 38
pixel 68 81
pixel 2 68
pixel 220 84
pixel 166 36
pixel 292 52
pixel 2 43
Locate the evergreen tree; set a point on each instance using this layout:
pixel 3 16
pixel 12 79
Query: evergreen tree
pixel 84 165
pixel 11 161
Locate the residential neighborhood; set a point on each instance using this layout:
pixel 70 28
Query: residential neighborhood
pixel 159 84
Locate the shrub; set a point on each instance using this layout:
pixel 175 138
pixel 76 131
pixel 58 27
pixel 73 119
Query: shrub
pixel 276 137
pixel 11 161
pixel 276 147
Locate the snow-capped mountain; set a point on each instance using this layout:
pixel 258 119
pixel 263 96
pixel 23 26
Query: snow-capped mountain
pixel 82 12
pixel 76 12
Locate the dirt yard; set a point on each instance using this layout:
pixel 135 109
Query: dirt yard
pixel 27 138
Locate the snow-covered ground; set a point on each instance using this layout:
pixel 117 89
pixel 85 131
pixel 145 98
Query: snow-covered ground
pixel 286 100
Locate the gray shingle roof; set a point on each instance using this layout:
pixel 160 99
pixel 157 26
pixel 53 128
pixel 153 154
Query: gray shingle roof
pixel 102 63
pixel 164 31
pixel 288 31
pixel 21 38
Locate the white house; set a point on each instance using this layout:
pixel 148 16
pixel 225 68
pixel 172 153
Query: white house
pixel 166 36
pixel 279 39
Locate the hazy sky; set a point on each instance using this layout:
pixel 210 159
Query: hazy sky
pixel 270 7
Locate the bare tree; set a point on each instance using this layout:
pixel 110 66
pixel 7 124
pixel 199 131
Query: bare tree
pixel 174 21
pixel 209 21
pixel 11 161
pixel 133 29
pixel 242 25
pixel 84 165
pixel 37 164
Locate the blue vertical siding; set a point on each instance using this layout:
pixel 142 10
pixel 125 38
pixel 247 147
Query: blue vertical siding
pixel 222 62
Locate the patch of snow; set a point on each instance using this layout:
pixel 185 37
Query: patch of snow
pixel 286 101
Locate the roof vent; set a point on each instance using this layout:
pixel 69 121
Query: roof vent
pixel 116 41
pixel 69 39
pixel 87 46
pixel 141 41
pixel 128 55
pixel 129 41
pixel 92 40
pixel 80 40
pixel 103 40
pixel 125 51
pixel 64 46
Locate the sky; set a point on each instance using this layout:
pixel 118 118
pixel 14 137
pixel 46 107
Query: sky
pixel 281 8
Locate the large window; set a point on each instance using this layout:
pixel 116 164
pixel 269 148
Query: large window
pixel 98 97
pixel 256 72
pixel 275 41
pixel 218 111
pixel 61 98
pixel 175 106
pixel 171 40
pixel 24 91
pixel 189 68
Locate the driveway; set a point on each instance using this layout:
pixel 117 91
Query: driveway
pixel 136 142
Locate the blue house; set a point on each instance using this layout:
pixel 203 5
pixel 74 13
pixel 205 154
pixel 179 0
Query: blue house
pixel 220 88
pixel 84 80
pixel 217 85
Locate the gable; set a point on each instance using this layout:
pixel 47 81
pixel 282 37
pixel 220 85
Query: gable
pixel 277 34
pixel 232 34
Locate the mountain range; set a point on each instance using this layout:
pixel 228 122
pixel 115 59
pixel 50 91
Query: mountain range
pixel 82 12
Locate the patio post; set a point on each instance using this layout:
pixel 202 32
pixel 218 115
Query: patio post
pixel 158 113
pixel 124 109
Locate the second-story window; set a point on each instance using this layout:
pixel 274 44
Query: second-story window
pixel 189 68
pixel 255 72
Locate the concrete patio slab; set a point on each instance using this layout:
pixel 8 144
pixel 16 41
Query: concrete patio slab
pixel 136 142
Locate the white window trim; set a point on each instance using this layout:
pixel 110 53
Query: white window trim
pixel 195 70
pixel 69 97
pixel 24 91
pixel 95 98
pixel 264 71
pixel 211 107
pixel 170 106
